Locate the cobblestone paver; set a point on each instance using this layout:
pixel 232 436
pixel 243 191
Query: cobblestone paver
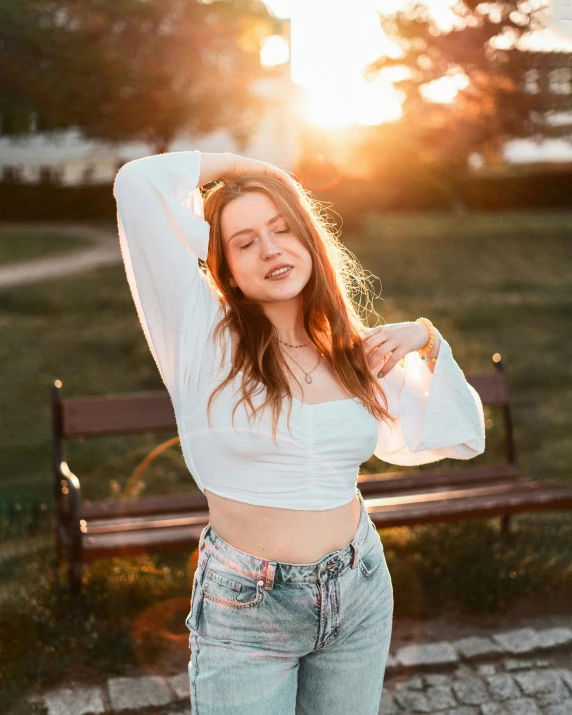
pixel 473 676
pixel 502 687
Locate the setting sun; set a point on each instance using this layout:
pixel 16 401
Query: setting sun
pixel 363 103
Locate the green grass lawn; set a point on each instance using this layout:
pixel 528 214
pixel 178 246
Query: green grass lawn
pixel 490 283
pixel 21 246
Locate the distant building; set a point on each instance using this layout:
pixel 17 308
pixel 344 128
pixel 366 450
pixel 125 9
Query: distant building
pixel 70 159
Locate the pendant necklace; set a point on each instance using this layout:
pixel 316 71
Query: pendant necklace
pixel 308 375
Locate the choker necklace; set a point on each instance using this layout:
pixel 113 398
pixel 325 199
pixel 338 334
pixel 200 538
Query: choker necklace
pixel 293 346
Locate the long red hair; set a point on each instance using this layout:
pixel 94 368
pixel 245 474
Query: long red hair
pixel 331 319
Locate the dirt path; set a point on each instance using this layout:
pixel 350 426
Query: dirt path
pixel 104 251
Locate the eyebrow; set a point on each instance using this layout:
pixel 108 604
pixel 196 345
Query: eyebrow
pixel 249 230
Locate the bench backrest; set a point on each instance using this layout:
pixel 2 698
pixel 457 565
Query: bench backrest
pixel 130 413
pixel 127 413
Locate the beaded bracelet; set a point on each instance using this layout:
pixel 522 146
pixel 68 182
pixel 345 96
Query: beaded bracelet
pixel 428 347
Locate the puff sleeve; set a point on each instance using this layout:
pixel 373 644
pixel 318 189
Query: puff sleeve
pixel 439 414
pixel 162 233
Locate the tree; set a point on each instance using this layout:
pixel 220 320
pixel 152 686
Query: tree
pixel 504 91
pixel 132 69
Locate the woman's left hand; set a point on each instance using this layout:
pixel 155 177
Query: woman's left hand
pixel 385 345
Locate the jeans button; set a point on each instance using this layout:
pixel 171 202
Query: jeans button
pixel 261 583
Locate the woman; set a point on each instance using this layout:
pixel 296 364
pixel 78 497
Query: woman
pixel 291 603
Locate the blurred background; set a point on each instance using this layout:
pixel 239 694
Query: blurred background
pixel 439 136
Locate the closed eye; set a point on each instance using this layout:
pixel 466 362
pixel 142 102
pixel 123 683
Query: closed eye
pixel 246 245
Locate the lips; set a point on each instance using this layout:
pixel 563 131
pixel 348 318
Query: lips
pixel 277 268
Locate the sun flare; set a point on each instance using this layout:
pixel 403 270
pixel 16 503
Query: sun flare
pixel 364 104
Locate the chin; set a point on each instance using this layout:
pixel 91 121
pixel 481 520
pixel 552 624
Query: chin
pixel 286 292
pixel 277 296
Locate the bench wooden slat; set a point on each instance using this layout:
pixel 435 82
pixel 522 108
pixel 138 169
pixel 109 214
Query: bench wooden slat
pixel 161 518
pixel 400 481
pixel 101 523
pixel 492 387
pixel 169 503
pixel 443 493
pixel 101 526
pixel 127 413
pixel 135 543
pixel 472 507
pixel 159 521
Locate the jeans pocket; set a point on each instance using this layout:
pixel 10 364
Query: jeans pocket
pixel 229 587
pixel 371 555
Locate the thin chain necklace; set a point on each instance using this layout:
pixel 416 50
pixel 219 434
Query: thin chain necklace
pixel 308 375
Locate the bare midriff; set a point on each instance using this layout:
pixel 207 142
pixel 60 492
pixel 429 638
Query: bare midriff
pixel 289 535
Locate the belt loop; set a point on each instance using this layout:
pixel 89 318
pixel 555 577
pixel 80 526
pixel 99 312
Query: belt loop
pixel 269 575
pixel 203 535
pixel 355 555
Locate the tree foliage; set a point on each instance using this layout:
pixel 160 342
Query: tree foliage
pixel 504 90
pixel 132 69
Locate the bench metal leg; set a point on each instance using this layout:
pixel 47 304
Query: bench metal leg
pixel 74 573
pixel 59 549
pixel 74 558
pixel 505 524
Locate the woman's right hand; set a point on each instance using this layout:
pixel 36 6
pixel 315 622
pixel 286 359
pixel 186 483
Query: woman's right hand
pixel 241 165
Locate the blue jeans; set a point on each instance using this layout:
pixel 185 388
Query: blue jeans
pixel 290 639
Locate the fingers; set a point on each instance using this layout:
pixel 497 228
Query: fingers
pixel 381 356
pixel 381 351
pixel 373 340
pixel 243 165
pixel 370 333
pixel 281 174
pixel 391 360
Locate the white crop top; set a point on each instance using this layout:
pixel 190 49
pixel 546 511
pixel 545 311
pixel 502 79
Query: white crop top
pixel 162 232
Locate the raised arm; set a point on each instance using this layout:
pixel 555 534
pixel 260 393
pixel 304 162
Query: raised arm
pixel 162 233
pixel 439 414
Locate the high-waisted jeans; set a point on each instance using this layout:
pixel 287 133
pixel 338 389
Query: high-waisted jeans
pixel 290 639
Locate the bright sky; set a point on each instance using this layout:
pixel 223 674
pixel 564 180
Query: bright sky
pixel 333 40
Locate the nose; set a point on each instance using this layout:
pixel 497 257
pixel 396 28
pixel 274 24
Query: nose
pixel 269 245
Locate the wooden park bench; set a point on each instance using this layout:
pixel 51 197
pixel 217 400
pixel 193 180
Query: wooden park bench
pixel 127 527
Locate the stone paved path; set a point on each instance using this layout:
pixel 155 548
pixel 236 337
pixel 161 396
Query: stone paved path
pixel 105 250
pixel 522 672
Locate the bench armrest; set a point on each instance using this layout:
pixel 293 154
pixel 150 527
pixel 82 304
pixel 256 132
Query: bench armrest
pixel 69 486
